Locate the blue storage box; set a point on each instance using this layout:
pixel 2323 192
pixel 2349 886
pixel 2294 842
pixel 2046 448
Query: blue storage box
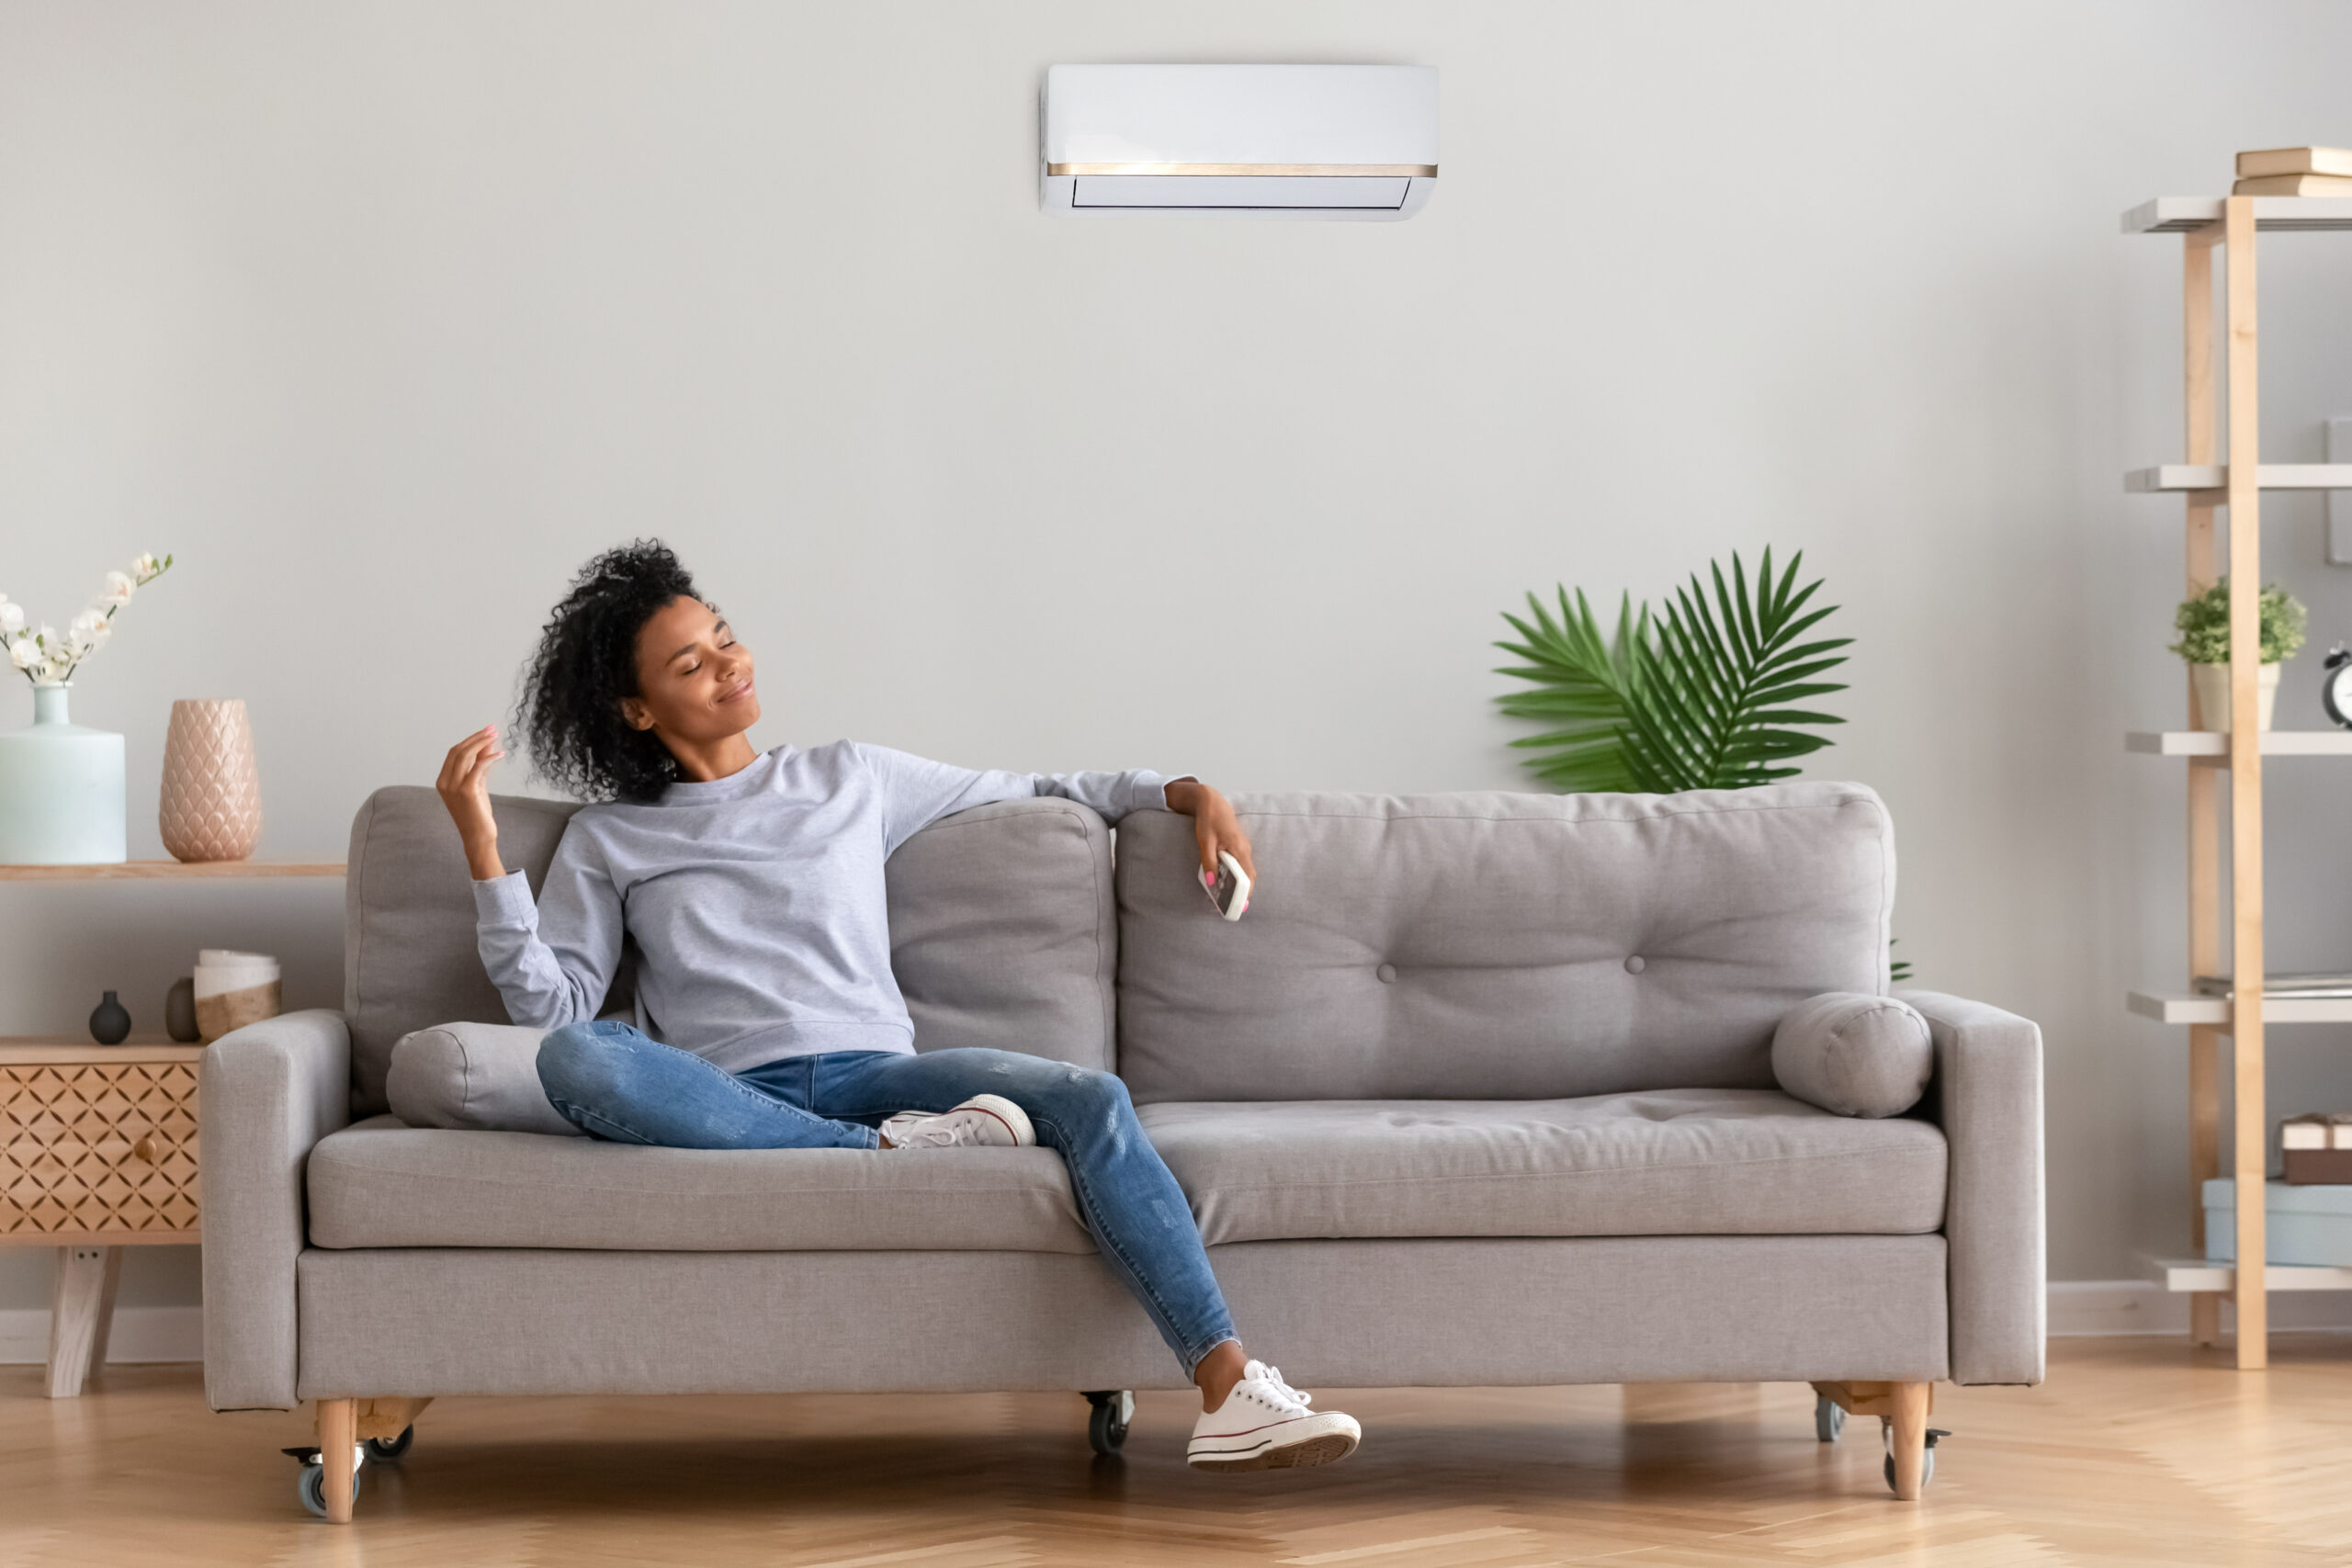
pixel 2307 1224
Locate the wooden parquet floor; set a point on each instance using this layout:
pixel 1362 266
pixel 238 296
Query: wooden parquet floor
pixel 2136 1451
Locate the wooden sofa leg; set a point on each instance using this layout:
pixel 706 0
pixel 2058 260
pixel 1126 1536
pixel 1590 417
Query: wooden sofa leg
pixel 338 1435
pixel 1910 1419
pixel 1905 1406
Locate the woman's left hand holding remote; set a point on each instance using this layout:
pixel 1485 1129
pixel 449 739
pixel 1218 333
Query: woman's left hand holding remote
pixel 1214 825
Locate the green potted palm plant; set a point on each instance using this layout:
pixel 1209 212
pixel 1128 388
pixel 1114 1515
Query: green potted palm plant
pixel 1711 691
pixel 2203 623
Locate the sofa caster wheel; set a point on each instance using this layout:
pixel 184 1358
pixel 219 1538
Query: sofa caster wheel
pixel 1106 1424
pixel 1828 1418
pixel 311 1487
pixel 1926 1460
pixel 384 1450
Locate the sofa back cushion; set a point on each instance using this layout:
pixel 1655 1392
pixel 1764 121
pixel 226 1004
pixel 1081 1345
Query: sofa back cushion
pixel 1002 931
pixel 1498 946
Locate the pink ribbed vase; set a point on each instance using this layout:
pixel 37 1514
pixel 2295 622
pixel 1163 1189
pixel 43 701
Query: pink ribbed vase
pixel 211 799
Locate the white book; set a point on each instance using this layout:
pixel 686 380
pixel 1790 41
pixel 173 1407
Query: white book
pixel 2293 185
pixel 2294 161
pixel 2305 1133
pixel 2315 1131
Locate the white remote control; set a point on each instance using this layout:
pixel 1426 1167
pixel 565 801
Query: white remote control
pixel 1230 892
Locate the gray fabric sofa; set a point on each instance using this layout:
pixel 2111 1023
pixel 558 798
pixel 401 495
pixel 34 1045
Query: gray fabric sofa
pixel 1479 1092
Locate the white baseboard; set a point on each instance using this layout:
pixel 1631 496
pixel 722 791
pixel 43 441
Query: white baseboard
pixel 141 1334
pixel 2077 1308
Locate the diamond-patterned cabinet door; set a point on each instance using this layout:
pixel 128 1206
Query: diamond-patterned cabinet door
pixel 91 1149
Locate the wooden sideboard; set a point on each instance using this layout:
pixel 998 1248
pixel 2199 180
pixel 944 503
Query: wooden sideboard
pixel 97 1152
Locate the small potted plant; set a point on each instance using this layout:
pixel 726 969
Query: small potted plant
pixel 2203 623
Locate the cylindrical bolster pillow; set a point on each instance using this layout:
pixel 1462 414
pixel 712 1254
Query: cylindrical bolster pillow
pixel 1854 1055
pixel 483 1076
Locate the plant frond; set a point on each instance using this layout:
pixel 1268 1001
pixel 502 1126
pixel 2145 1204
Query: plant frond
pixel 1694 696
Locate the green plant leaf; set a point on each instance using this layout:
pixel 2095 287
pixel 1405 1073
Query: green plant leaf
pixel 1581 678
pixel 1695 696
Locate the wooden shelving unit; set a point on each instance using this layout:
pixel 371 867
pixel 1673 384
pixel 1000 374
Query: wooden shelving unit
pixel 103 1152
pixel 2224 471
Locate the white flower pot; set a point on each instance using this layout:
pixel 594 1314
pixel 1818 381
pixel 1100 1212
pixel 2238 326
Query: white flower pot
pixel 61 790
pixel 2211 684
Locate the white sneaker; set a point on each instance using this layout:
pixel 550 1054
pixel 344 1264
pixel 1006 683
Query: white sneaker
pixel 1264 1423
pixel 983 1122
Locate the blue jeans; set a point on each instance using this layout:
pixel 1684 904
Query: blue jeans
pixel 612 1082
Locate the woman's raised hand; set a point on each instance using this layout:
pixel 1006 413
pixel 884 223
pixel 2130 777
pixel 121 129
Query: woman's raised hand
pixel 464 785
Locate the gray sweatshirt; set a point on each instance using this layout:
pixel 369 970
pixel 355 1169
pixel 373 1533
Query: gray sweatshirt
pixel 756 900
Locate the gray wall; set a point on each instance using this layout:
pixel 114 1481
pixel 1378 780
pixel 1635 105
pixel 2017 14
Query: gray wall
pixel 384 316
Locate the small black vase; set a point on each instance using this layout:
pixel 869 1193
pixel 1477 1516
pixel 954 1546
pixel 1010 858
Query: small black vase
pixel 179 1012
pixel 110 1022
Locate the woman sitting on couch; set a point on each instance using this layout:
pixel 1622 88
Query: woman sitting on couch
pixel 753 883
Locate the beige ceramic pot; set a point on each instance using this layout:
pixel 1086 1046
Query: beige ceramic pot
pixel 2211 683
pixel 233 990
pixel 211 797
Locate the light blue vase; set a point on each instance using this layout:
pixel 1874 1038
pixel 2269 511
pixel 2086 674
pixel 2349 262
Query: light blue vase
pixel 61 790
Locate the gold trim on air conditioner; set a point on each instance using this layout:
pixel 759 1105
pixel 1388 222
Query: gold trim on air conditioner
pixel 1255 171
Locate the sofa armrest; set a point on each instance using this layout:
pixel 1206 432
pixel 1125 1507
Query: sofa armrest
pixel 268 1093
pixel 1987 1096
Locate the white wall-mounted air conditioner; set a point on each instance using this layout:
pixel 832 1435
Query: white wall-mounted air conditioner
pixel 1335 142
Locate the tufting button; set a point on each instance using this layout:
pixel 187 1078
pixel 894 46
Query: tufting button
pixel 1387 973
pixel 1635 965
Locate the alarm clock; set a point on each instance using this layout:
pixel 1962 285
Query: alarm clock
pixel 2335 686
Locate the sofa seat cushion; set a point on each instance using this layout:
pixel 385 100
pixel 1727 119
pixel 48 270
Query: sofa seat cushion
pixel 381 1183
pixel 1669 1162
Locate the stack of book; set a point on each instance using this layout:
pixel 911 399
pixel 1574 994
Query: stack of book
pixel 2295 171
pixel 2316 1150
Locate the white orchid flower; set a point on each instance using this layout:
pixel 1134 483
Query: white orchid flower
pixel 50 657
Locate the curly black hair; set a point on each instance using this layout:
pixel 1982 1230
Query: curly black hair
pixel 570 706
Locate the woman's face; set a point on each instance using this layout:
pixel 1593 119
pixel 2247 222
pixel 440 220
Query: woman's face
pixel 692 677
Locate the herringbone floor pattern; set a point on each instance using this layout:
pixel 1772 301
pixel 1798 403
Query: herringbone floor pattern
pixel 2136 1451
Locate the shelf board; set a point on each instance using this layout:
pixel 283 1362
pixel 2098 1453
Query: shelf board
pixel 2181 1006
pixel 2197 1274
pixel 2169 478
pixel 170 870
pixel 37 1050
pixel 2272 214
pixel 2216 743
